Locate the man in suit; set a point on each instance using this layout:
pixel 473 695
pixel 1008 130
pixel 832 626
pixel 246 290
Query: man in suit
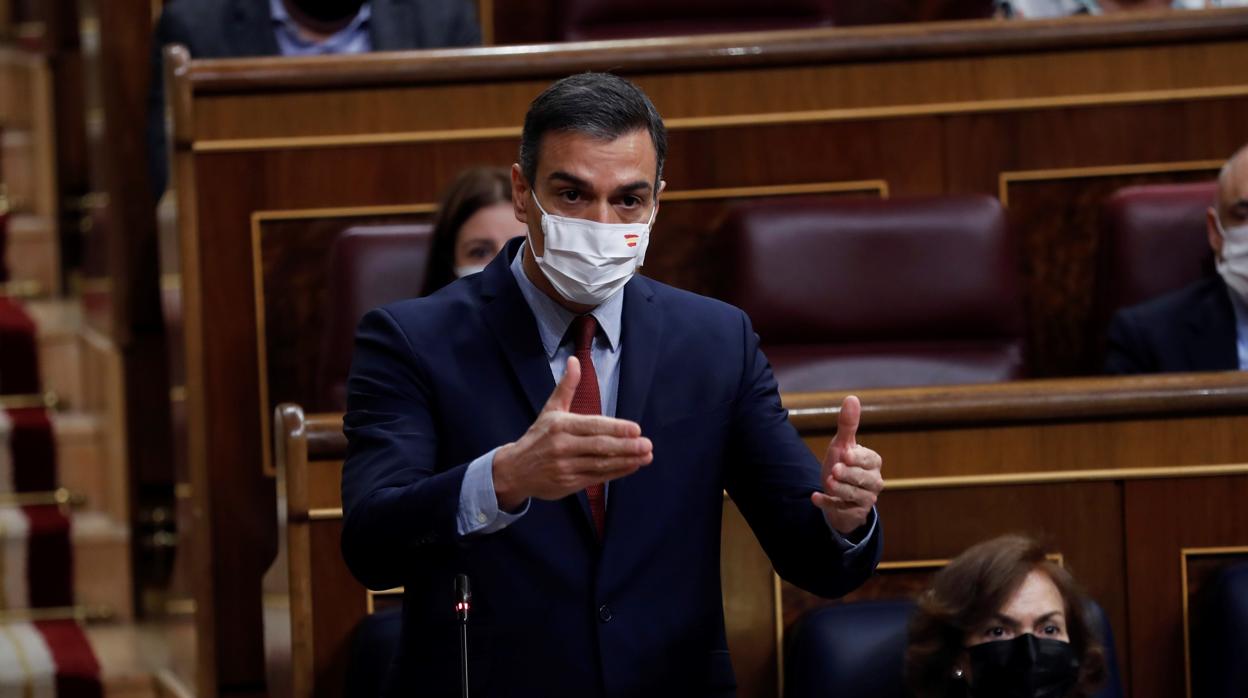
pixel 562 431
pixel 239 28
pixel 1203 327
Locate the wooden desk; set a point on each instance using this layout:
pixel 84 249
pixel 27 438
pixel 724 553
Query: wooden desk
pixel 1050 116
pixel 1134 484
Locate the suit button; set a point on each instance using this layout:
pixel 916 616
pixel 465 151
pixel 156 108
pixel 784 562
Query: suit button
pixel 604 613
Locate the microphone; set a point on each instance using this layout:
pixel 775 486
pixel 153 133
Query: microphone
pixel 463 597
pixel 463 604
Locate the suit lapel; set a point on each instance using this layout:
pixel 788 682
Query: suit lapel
pixel 251 29
pixel 1212 324
pixel 640 338
pixel 641 331
pixel 511 321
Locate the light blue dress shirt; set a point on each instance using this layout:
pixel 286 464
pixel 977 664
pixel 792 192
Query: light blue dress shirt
pixel 1241 327
pixel 478 511
pixel 353 38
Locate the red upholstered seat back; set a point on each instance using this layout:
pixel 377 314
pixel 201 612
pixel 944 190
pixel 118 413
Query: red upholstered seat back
pixel 860 293
pixel 580 20
pixel 849 12
pixel 618 19
pixel 369 266
pixel 1155 242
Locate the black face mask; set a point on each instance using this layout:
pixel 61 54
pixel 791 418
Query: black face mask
pixel 329 10
pixel 1025 667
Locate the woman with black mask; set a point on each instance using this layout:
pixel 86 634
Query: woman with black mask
pixel 1003 621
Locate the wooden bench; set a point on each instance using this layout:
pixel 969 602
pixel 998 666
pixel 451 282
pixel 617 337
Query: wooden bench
pixel 263 148
pixel 1135 484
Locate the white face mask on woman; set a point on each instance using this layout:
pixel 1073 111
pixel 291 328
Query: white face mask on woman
pixel 1233 262
pixel 586 261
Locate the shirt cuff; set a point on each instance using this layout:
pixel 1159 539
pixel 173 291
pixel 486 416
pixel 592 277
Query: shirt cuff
pixel 478 504
pixel 855 542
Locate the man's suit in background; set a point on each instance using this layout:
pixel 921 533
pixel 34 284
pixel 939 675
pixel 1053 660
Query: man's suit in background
pixel 438 381
pixel 239 28
pixel 1192 329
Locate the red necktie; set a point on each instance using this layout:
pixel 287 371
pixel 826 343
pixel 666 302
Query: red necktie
pixel 587 400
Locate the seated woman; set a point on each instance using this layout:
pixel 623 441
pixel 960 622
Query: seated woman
pixel 1001 621
pixel 474 220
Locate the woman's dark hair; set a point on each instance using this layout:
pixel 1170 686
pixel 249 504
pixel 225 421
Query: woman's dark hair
pixel 600 105
pixel 968 592
pixel 473 190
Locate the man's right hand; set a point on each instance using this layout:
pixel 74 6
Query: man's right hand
pixel 562 452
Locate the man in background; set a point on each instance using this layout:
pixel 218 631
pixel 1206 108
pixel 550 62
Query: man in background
pixel 1203 327
pixel 240 28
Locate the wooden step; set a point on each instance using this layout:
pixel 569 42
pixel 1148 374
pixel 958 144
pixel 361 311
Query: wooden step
pixel 102 574
pixel 17 167
pixel 32 255
pixel 58 323
pixel 85 465
pixel 143 660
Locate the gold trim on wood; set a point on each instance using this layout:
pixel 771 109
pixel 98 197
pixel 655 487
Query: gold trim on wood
pixel 777 596
pixel 235 145
pixel 740 120
pixel 257 270
pixel 370 597
pixel 47 400
pixel 1004 179
pixel 879 186
pixel 900 565
pixel 325 514
pixel 1067 476
pixel 1184 554
pixel 82 614
pixel 61 497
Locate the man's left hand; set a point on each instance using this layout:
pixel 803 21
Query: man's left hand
pixel 851 474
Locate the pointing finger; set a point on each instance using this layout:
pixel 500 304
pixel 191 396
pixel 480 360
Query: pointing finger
pixel 591 425
pixel 561 399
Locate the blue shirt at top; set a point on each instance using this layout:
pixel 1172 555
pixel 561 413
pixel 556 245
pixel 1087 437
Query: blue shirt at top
pixel 353 38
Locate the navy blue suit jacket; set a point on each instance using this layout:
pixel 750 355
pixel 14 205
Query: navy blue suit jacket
pixel 1192 329
pixel 438 381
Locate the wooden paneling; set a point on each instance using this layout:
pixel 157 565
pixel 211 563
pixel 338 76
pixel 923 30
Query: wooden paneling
pixel 1163 519
pixel 294 292
pixel 1126 534
pixel 1083 523
pixel 923 109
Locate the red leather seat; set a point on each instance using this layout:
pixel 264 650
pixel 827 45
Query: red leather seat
pixel 368 266
pixel 582 20
pixel 1155 242
pixel 857 293
pixel 850 12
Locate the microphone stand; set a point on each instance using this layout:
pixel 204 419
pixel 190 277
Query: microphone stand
pixel 463 603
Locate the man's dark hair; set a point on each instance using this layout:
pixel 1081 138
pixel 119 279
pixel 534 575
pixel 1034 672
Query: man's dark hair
pixel 600 105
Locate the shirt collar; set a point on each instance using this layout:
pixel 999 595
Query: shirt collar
pixel 553 319
pixel 280 16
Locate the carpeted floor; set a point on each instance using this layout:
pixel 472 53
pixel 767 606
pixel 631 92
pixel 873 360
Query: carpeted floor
pixel 43 658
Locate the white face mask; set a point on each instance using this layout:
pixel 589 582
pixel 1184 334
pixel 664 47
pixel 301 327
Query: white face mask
pixel 588 262
pixel 1233 262
pixel 468 269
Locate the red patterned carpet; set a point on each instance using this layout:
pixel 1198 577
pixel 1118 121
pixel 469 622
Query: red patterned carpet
pixel 40 658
